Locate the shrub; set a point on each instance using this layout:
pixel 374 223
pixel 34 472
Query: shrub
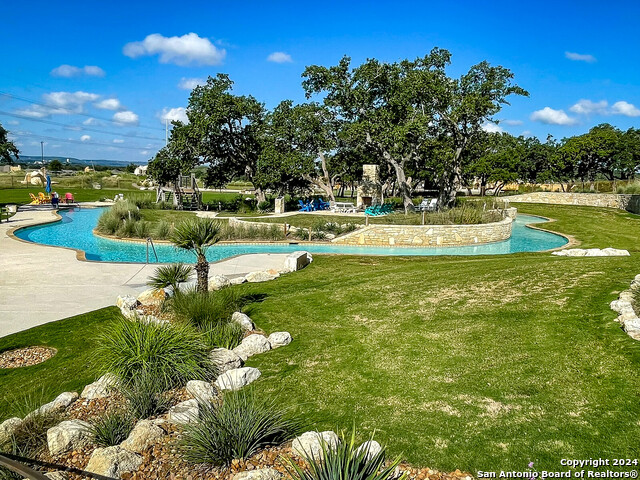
pixel 145 397
pixel 112 428
pixel 632 188
pixel 226 335
pixel 141 229
pixel 242 425
pixel 170 276
pixel 169 355
pixel 344 462
pixel 162 230
pixel 204 310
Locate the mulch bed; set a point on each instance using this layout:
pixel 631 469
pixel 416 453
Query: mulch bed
pixel 26 357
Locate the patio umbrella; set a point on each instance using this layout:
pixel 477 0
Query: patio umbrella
pixel 48 187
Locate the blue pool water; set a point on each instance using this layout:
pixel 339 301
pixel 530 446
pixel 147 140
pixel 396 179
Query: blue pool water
pixel 75 231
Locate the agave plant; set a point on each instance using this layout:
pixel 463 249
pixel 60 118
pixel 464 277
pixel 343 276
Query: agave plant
pixel 197 235
pixel 170 276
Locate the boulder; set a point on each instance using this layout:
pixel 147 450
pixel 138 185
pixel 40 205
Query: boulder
pixel 237 378
pixel 101 388
pixel 243 320
pixel 60 403
pixel 252 345
pixel 8 429
pixel 621 306
pixel 615 252
pixel 279 339
pixel 153 297
pixel 216 282
pixel 309 444
pixel 68 435
pixel 297 261
pixel 126 302
pixel 255 277
pixel 143 435
pixel 592 252
pixel 371 447
pixel 202 391
pixel 59 475
pixel 112 462
pixel 224 359
pixel 237 281
pixel 184 412
pixel 258 474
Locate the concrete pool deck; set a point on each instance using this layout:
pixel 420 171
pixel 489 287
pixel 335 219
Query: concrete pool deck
pixel 41 284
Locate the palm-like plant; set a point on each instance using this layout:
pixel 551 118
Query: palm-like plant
pixel 170 276
pixel 197 235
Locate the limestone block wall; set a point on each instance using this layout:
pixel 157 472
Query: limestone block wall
pixel 607 200
pixel 428 235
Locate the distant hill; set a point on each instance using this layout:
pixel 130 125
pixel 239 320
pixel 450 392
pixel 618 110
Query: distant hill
pixel 75 161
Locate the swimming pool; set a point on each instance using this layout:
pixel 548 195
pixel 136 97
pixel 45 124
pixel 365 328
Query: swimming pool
pixel 75 230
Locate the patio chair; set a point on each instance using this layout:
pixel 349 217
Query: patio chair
pixel 304 207
pixel 34 200
pixel 43 198
pixel 433 205
pixel 68 198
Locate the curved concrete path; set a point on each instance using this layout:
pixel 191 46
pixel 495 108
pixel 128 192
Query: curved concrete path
pixel 40 284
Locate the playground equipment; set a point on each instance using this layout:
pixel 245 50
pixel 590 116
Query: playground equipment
pixel 184 193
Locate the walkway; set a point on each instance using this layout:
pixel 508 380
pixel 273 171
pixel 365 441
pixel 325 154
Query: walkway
pixel 40 284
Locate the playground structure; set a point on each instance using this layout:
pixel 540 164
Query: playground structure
pixel 184 193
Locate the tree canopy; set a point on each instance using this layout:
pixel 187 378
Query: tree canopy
pixel 8 149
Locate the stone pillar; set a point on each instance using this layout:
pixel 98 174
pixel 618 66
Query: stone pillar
pixel 279 208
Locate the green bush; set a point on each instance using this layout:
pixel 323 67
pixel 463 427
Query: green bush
pixel 632 188
pixel 344 462
pixel 112 428
pixel 162 230
pixel 204 310
pixel 226 335
pixel 145 397
pixel 141 229
pixel 242 425
pixel 170 355
pixel 120 219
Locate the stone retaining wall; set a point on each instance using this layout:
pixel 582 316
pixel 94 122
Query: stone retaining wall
pixel 428 235
pixel 235 222
pixel 607 200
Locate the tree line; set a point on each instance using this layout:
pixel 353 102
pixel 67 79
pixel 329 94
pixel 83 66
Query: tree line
pixel 424 128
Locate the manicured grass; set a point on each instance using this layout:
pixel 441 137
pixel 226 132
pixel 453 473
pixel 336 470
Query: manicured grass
pixel 69 370
pixel 303 220
pixel 171 216
pixel 210 197
pixel 485 362
pixel 20 196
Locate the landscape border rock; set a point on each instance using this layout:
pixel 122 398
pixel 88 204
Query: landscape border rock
pixel 251 345
pixel 103 387
pixel 309 444
pixel 68 435
pixel 113 461
pixel 237 378
pixel 591 252
pixel 628 318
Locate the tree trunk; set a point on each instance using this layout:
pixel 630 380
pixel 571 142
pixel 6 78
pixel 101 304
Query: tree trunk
pixel 260 195
pixel 450 183
pixel 326 188
pixel 202 271
pixel 403 185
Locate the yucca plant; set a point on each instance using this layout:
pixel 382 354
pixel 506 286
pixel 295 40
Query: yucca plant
pixel 168 354
pixel 112 428
pixel 197 235
pixel 240 426
pixel 344 461
pixel 170 276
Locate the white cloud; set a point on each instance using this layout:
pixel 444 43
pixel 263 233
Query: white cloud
pixel 91 121
pixel 184 50
pixel 109 104
pixel 552 117
pixel 126 118
pixel 13 122
pixel 190 83
pixel 144 152
pixel 68 71
pixel 85 138
pixel 279 57
pixel 178 113
pixel 625 108
pixel 526 133
pixel 59 103
pixel 578 57
pixel 512 123
pixel 118 140
pixel 491 127
pixel 587 107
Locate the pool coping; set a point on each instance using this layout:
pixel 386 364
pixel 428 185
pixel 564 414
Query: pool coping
pixel 81 254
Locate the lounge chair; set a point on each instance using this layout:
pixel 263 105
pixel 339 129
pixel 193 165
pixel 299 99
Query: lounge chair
pixel 68 198
pixel 433 205
pixel 43 198
pixel 305 207
pixel 34 200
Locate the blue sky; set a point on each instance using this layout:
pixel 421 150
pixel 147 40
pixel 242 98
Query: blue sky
pixel 109 72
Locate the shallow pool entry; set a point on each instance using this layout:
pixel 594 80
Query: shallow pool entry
pixel 76 231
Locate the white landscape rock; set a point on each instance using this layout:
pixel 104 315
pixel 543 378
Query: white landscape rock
pixel 591 252
pixel 237 281
pixel 309 444
pixel 621 306
pixel 237 378
pixel 200 390
pixel 68 435
pixel 8 428
pixel 59 475
pixel 216 282
pixel 297 261
pixel 153 297
pixel 126 302
pixel 243 320
pixel 184 412
pixel 251 345
pixel 255 277
pixel 143 435
pixel 224 359
pixel 371 447
pixel 60 403
pixel 101 388
pixel 258 474
pixel 112 462
pixel 279 339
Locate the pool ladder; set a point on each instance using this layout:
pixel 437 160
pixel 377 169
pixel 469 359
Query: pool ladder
pixel 150 242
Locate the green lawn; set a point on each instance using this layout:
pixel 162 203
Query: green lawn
pixel 20 196
pixel 484 362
